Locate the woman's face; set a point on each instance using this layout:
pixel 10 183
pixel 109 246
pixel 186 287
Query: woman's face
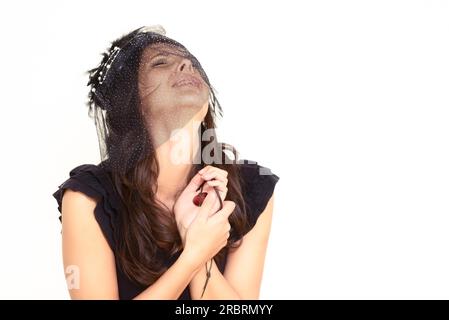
pixel 169 85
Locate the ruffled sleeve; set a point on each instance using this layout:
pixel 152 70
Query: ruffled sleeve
pixel 258 183
pixel 95 182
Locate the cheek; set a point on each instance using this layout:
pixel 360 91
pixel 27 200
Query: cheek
pixel 148 85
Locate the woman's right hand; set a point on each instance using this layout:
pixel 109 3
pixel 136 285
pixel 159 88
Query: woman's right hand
pixel 208 234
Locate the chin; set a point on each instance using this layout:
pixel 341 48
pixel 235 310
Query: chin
pixel 190 101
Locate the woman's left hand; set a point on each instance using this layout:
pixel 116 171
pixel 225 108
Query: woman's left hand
pixel 185 210
pixel 215 177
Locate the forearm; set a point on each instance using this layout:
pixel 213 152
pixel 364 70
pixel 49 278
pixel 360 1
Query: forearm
pixel 173 282
pixel 218 287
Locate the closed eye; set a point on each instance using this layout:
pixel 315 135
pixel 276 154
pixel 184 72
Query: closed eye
pixel 158 63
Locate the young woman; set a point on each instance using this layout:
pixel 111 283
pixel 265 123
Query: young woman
pixel 167 214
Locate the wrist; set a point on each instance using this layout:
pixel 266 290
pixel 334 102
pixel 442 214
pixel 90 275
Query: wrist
pixel 190 261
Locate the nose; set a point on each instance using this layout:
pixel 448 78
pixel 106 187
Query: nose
pixel 186 65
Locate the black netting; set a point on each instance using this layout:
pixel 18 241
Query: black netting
pixel 115 101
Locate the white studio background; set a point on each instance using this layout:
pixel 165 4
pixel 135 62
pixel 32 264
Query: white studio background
pixel 346 101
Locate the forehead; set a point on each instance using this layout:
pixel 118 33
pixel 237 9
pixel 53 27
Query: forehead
pixel 156 48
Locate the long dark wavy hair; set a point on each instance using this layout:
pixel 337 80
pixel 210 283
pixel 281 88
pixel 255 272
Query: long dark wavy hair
pixel 147 234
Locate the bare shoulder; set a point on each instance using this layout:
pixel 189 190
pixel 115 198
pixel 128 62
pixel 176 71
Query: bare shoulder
pixel 86 249
pixel 267 214
pixel 261 231
pixel 75 200
pixel 78 212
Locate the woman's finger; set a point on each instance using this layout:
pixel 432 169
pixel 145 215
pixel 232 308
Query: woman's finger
pixel 216 183
pixel 222 189
pixel 215 175
pixel 195 183
pixel 210 168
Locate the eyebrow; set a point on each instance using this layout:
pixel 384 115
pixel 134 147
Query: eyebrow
pixel 164 53
pixel 160 54
pixel 168 51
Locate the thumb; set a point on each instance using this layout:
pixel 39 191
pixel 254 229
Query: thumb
pixel 228 208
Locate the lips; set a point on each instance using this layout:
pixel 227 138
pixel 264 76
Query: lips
pixel 189 80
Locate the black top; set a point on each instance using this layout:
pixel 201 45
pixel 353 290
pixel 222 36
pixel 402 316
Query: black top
pixel 95 181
